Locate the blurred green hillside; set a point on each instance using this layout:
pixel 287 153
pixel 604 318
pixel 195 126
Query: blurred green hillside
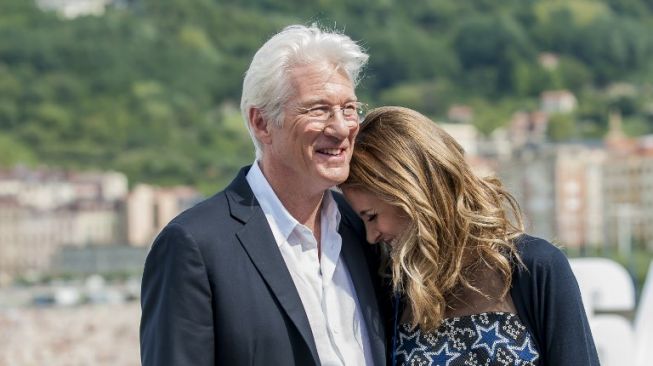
pixel 152 87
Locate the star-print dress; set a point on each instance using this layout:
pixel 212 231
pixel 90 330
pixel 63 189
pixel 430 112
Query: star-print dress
pixel 487 339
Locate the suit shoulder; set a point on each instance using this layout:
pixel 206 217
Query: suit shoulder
pixel 204 220
pixel 203 210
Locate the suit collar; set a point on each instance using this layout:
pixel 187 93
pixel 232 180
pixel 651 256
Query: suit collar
pixel 242 203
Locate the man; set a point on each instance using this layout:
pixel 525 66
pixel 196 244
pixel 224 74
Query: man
pixel 274 270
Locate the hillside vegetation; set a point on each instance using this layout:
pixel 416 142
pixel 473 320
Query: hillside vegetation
pixel 152 87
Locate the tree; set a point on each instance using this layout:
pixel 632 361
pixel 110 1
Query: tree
pixel 492 42
pixel 561 127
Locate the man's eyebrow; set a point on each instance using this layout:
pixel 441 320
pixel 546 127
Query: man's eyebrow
pixel 324 101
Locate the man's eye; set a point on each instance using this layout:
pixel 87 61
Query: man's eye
pixel 350 109
pixel 371 218
pixel 318 111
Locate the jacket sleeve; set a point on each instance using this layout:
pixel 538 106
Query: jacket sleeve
pixel 177 320
pixel 565 336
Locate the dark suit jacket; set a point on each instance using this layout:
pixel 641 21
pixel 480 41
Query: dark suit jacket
pixel 216 290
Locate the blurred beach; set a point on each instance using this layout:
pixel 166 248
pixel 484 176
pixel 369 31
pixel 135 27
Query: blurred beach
pixel 90 334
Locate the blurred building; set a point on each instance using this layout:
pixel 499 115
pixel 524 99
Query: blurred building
pixel 583 194
pixel 629 196
pixel 75 8
pixel 558 101
pixel 529 176
pixel 527 128
pixel 579 197
pixel 460 114
pixel 465 134
pixel 150 208
pixel 27 237
pixel 42 210
pixel 548 61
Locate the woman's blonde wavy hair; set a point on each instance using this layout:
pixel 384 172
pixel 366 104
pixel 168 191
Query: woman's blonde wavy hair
pixel 459 221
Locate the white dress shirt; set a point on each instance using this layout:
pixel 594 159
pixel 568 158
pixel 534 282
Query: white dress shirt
pixel 323 283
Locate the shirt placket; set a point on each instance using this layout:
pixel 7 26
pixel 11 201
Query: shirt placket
pixel 309 263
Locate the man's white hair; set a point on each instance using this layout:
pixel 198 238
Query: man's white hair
pixel 267 85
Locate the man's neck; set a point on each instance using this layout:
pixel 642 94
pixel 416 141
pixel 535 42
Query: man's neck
pixel 302 202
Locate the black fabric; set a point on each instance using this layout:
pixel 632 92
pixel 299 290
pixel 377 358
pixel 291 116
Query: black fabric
pixel 548 301
pixel 216 290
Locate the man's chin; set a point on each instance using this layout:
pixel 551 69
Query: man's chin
pixel 333 177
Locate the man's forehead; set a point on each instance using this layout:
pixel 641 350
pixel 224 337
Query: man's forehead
pixel 320 84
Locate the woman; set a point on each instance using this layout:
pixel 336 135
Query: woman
pixel 473 288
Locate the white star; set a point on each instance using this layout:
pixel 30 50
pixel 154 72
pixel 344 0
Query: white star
pixel 487 340
pixel 525 353
pixel 403 339
pixel 438 356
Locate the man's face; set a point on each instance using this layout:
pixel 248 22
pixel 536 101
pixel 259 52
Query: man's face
pixel 308 153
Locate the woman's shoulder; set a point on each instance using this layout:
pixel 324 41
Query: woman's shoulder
pixel 531 245
pixel 539 253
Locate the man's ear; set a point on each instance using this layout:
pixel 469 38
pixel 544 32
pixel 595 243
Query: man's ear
pixel 260 125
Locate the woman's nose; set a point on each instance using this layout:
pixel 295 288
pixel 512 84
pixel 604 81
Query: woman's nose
pixel 373 235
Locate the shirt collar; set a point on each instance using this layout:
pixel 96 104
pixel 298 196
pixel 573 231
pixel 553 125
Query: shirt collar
pixel 275 211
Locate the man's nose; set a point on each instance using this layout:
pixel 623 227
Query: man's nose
pixel 338 126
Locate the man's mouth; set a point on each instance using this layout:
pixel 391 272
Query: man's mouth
pixel 331 152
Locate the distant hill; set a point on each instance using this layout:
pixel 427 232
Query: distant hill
pixel 151 87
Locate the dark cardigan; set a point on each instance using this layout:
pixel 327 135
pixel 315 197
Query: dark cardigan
pixel 549 304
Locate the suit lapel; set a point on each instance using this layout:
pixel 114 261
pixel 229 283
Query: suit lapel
pixel 258 241
pixel 354 258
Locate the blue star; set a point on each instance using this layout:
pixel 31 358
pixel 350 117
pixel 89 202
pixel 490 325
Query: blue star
pixel 489 339
pixel 525 353
pixel 408 345
pixel 443 356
